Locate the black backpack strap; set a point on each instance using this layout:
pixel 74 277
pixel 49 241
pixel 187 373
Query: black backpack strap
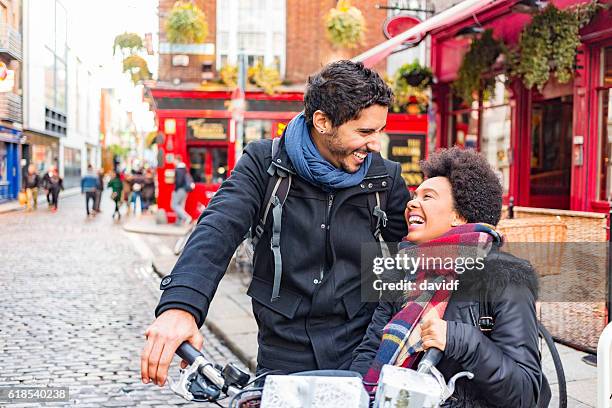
pixel 276 195
pixel 377 203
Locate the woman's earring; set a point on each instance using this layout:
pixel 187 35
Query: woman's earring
pixel 454 223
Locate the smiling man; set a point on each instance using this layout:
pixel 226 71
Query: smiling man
pixel 306 289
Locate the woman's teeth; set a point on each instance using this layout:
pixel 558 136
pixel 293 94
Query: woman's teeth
pixel 415 219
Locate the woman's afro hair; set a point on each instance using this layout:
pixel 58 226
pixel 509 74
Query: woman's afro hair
pixel 477 192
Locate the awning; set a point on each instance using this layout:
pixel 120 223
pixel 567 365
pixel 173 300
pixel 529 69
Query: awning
pixel 449 16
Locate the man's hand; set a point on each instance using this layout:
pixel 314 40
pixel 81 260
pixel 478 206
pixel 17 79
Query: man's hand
pixel 433 333
pixel 164 336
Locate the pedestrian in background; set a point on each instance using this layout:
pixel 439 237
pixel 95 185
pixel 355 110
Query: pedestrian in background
pixel 126 197
pixel 31 182
pixel 53 184
pixel 182 181
pixel 116 185
pixel 99 191
pixel 137 183
pixel 90 186
pixel 148 190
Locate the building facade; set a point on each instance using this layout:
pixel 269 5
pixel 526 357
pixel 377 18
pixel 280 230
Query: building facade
pixel 551 148
pixel 11 119
pixel 61 97
pixel 287 34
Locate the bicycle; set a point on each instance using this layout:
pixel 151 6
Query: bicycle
pixel 203 381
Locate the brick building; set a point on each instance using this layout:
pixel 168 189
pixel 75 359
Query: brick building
pixel 287 33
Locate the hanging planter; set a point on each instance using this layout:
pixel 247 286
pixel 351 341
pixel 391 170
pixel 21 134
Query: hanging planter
pixel 137 68
pixel 408 98
pixel 128 43
pixel 345 25
pixel 548 45
pixel 186 24
pixel 416 75
pixel 476 72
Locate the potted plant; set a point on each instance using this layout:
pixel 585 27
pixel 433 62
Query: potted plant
pixel 137 67
pixel 128 43
pixel 345 25
pixel 416 75
pixel 550 42
pixel 186 24
pixel 476 74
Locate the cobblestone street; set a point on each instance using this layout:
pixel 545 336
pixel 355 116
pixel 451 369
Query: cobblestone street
pixel 76 297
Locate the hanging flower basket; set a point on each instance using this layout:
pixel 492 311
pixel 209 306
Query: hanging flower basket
pixel 345 25
pixel 416 75
pixel 186 24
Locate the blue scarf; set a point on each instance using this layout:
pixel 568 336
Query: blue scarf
pixel 311 166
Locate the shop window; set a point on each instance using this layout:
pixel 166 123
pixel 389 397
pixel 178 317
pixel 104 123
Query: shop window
pixel 208 164
pixel 605 127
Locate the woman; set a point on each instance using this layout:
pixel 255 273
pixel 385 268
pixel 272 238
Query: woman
pixel 53 184
pixel 116 185
pixel 452 214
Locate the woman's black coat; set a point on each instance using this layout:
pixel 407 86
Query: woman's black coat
pixel 506 362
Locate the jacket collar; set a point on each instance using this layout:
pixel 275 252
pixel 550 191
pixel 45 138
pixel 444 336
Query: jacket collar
pixel 377 167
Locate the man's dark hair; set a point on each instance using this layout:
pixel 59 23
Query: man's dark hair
pixel 477 192
pixel 342 89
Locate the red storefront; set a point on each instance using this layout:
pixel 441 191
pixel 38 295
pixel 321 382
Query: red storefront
pixel 198 126
pixel 552 149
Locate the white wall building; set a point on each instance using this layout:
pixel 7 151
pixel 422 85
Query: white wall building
pixel 61 97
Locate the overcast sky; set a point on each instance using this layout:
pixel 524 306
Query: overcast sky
pixel 93 25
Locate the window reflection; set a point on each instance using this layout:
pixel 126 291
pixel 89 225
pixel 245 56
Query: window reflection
pixel 208 164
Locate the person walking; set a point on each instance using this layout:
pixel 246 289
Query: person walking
pixel 324 180
pixel 90 186
pixel 53 184
pixel 126 196
pixel 148 190
pixel 116 186
pixel 31 183
pixel 182 183
pixel 99 191
pixel 137 182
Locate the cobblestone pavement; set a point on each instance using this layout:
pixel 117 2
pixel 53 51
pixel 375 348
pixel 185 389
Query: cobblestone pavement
pixel 76 295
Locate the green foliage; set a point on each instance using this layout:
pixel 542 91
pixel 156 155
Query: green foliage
pixel 408 98
pixel 186 24
pixel 475 74
pixel 345 25
pixel 128 41
pixel 549 44
pixel 415 74
pixel 118 150
pixel 137 67
pixel 229 75
pixel 267 78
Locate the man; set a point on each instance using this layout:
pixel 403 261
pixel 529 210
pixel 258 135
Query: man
pixel 99 191
pixel 180 192
pixel 31 182
pixel 331 151
pixel 53 184
pixel 89 186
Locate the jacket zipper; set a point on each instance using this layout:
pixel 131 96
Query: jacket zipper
pixel 330 202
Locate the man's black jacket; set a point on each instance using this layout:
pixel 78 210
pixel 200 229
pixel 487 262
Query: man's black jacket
pixel 319 318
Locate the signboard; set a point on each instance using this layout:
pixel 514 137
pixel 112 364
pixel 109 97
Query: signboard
pixel 408 150
pixel 207 129
pixel 396 25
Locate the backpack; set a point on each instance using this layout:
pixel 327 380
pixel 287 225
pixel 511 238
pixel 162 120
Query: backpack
pixel 277 191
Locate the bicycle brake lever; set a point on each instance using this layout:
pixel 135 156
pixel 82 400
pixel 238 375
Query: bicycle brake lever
pixel 182 386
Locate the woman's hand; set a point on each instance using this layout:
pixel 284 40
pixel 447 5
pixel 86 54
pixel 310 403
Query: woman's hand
pixel 433 333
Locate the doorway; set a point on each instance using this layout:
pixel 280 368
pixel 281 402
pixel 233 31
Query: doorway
pixel 551 153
